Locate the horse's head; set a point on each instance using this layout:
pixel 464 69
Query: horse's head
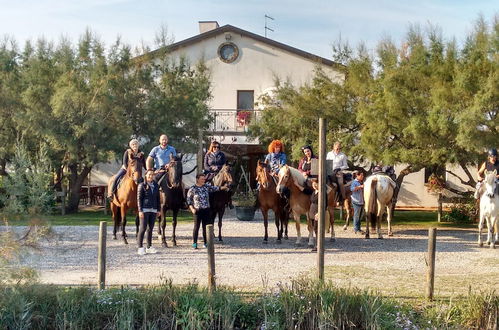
pixel 175 172
pixel 490 183
pixel 284 177
pixel 262 174
pixel 224 177
pixel 134 170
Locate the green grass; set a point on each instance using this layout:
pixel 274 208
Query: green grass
pixel 86 218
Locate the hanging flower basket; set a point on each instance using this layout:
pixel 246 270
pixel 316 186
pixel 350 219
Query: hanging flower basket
pixel 435 184
pixel 243 117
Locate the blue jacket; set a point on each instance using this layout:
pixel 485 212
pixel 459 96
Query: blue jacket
pixel 148 198
pixel 214 161
pixel 275 161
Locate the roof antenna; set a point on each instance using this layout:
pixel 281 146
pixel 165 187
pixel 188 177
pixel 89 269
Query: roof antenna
pixel 266 27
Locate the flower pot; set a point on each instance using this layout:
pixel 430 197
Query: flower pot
pixel 245 213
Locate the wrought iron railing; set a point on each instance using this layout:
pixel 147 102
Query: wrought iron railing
pixel 231 120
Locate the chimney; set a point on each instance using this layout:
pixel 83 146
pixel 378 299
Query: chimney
pixel 205 26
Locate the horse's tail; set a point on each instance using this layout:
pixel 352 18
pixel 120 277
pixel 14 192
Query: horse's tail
pixel 372 206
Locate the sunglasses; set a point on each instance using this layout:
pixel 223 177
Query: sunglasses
pixel 216 147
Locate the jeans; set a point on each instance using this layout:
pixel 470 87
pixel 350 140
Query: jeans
pixel 117 178
pixel 202 216
pixel 147 222
pixel 358 213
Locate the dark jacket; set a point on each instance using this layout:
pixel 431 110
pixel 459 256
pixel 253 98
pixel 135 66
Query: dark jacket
pixel 303 167
pixel 129 155
pixel 214 161
pixel 148 198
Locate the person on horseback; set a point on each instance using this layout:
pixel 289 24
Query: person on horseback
pixel 276 157
pixel 339 160
pixel 305 164
pixel 160 156
pixel 214 160
pixel 132 153
pixel 149 208
pixel 491 164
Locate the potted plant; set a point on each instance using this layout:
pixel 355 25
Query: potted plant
pixel 245 205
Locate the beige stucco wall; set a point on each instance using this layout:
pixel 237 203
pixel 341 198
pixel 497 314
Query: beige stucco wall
pixel 255 69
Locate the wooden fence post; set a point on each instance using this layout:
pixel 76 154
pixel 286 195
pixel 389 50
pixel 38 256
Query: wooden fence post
pixel 102 255
pixel 211 258
pixel 430 261
pixel 322 199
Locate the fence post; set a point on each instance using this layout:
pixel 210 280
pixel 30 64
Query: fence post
pixel 102 255
pixel 439 216
pixel 430 261
pixel 211 258
pixel 322 199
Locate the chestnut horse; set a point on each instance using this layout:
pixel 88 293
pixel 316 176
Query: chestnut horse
pixel 171 198
pixel 300 202
pixel 269 199
pixel 219 199
pixel 378 193
pixel 126 197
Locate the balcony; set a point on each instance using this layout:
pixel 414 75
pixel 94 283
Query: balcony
pixel 231 121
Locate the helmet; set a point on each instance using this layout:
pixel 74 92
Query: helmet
pixel 493 152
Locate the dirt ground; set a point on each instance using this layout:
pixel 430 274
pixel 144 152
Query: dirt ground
pixel 394 265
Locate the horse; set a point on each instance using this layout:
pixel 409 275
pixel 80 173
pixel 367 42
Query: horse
pixel 269 199
pixel 378 193
pixel 489 209
pixel 126 197
pixel 300 202
pixel 219 199
pixel 171 198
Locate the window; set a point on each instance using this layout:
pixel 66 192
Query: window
pixel 245 100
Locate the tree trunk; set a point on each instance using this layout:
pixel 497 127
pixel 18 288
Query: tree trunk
pixel 400 179
pixel 3 163
pixel 75 182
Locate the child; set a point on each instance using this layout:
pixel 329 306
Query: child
pixel 357 189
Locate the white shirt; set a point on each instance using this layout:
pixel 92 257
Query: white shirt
pixel 339 160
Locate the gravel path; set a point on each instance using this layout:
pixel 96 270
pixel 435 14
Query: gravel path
pixel 393 265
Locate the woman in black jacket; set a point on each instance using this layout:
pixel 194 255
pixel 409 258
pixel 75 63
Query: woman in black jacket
pixel 148 205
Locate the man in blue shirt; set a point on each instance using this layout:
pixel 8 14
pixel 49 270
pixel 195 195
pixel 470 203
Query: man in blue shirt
pixel 161 156
pixel 357 188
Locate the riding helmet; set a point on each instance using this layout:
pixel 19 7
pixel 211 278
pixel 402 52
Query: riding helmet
pixel 493 152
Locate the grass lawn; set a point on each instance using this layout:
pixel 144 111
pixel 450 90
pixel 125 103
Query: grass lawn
pixel 88 218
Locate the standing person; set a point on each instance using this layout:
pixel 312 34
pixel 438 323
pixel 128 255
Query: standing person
pixel 314 208
pixel 132 153
pixel 276 157
pixel 198 200
pixel 148 206
pixel 160 156
pixel 491 164
pixel 339 164
pixel 357 189
pixel 214 160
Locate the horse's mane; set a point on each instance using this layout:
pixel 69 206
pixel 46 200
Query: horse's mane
pixel 296 175
pixel 217 180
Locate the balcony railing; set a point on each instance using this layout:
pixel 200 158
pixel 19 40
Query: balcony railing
pixel 233 121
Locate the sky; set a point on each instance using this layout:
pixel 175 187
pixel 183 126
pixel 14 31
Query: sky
pixel 310 25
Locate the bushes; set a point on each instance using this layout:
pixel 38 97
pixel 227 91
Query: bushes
pixel 464 212
pixel 304 304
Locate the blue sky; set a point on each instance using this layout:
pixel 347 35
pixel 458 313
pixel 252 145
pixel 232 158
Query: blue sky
pixel 311 25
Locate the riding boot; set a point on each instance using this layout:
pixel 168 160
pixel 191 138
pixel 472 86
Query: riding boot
pixel 339 176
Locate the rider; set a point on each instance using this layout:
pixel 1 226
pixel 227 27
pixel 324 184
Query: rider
pixel 305 167
pixel 214 160
pixel 276 157
pixel 339 164
pixel 161 156
pixel 132 153
pixel 491 164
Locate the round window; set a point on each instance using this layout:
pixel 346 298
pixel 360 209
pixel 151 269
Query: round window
pixel 228 52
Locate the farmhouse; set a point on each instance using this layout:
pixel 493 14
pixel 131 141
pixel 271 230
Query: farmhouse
pixel 243 67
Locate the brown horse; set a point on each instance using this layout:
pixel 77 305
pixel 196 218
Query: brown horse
pixel 126 197
pixel 269 199
pixel 300 202
pixel 219 199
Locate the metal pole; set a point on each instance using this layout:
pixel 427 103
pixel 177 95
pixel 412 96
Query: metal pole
pixel 211 258
pixel 102 255
pixel 322 199
pixel 430 275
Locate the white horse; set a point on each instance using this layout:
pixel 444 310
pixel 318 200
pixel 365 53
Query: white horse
pixel 378 193
pixel 489 209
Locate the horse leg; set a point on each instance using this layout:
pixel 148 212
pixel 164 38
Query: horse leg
pixel 493 223
pixel 368 220
pixel 310 227
pixel 162 224
pixel 298 232
pixel 265 213
pixel 278 218
pixel 480 226
pixel 116 218
pixel 331 223
pixel 389 216
pixel 220 216
pixel 174 227
pixel 378 222
pixel 123 224
pixel 489 229
pixel 347 216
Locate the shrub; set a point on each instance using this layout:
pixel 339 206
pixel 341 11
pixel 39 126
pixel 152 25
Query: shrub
pixel 463 212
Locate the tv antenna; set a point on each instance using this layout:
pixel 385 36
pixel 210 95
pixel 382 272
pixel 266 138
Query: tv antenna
pixel 266 27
